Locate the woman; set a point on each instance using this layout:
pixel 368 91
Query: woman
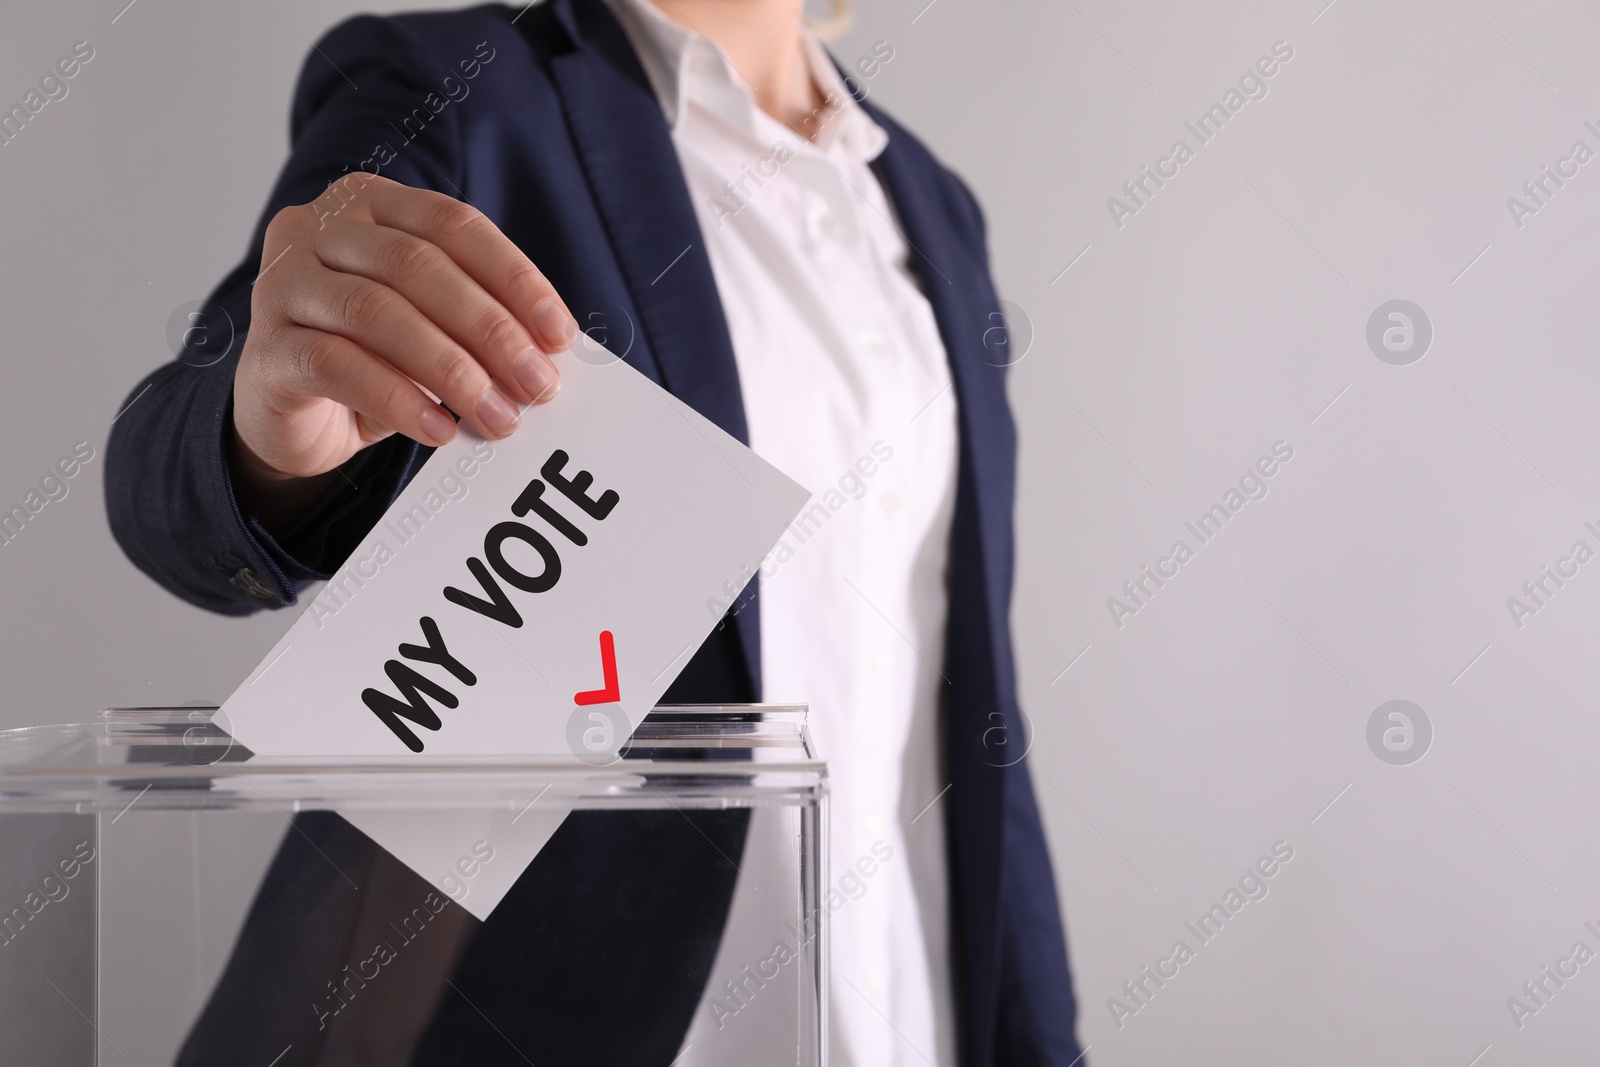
pixel 695 179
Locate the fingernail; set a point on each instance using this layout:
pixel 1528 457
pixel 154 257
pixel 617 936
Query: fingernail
pixel 496 411
pixel 437 426
pixel 555 325
pixel 536 374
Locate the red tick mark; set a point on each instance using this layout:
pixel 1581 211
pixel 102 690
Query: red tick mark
pixel 608 664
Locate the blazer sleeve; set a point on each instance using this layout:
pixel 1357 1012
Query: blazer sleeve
pixel 368 98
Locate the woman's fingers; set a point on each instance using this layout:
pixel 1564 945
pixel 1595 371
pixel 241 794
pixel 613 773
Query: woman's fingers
pixel 474 243
pixel 386 324
pixel 424 274
pixel 328 365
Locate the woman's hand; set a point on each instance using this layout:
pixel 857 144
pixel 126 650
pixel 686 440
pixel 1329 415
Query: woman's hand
pixel 375 303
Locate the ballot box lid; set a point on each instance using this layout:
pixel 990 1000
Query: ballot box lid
pixel 182 758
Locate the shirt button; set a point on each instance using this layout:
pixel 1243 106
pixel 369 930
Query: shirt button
pixel 871 824
pixel 876 977
pixel 879 347
pixel 890 502
pixel 247 581
pixel 832 226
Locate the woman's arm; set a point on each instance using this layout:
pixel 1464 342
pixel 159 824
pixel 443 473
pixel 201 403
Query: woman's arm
pixel 245 469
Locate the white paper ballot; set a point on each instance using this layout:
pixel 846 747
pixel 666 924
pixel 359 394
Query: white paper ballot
pixel 535 595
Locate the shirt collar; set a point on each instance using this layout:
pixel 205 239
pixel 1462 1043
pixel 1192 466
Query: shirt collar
pixel 686 70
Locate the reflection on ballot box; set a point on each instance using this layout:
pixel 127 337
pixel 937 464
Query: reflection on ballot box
pixel 168 897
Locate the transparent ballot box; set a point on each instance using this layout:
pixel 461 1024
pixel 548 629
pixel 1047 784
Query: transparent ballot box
pixel 168 897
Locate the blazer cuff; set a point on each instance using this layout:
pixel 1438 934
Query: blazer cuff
pixel 318 541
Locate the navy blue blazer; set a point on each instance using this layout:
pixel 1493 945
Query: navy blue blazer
pixel 558 137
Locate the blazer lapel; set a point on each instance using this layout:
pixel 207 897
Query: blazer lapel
pixel 632 168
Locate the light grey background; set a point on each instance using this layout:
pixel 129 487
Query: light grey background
pixel 1225 316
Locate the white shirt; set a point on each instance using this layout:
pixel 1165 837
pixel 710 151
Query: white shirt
pixel 846 388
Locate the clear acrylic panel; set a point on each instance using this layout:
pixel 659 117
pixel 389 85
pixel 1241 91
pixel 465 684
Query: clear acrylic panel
pixel 167 897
